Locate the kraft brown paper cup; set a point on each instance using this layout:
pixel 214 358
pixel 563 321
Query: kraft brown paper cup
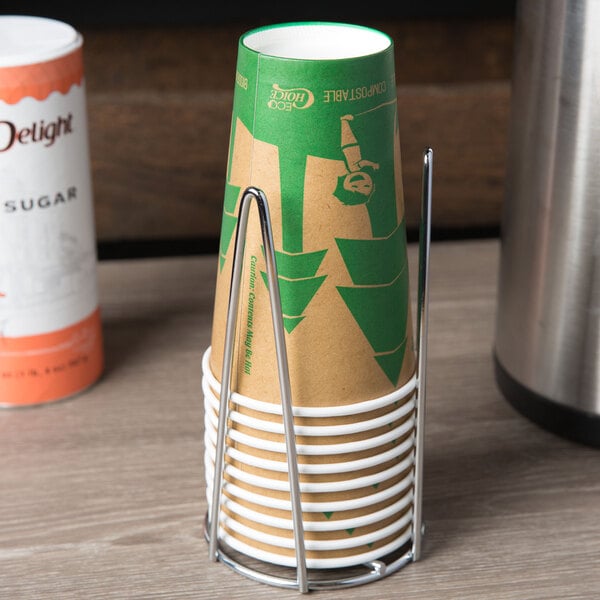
pixel 318 421
pixel 358 519
pixel 351 494
pixel 316 554
pixel 262 429
pixel 344 540
pixel 274 441
pixel 323 498
pixel 309 440
pixel 322 469
pixel 349 539
pixel 212 398
pixel 323 516
pixel 319 440
pixel 395 543
pixel 273 482
pixel 315 415
pixel 319 135
pixel 325 459
pixel 317 477
pixel 376 473
pixel 344 535
pixel 270 486
pixel 255 441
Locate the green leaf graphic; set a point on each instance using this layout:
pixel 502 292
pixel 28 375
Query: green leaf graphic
pixel 380 311
pixel 296 293
pixel 228 225
pixel 375 261
pixel 298 266
pixel 290 323
pixel 232 193
pixel 391 363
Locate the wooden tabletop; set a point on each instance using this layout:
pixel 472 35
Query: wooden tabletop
pixel 103 496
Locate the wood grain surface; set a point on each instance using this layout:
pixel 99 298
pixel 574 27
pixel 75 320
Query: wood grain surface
pixel 103 496
pixel 159 109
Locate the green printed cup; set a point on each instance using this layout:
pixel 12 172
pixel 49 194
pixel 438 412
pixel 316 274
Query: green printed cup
pixel 315 126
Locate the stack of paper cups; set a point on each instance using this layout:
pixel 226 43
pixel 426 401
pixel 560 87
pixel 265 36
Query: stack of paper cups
pixel 356 475
pixel 315 127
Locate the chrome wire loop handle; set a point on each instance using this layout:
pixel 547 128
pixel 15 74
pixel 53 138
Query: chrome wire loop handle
pixel 253 193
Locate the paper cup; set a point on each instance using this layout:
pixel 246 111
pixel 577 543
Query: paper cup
pixel 263 490
pixel 333 486
pixel 315 126
pixel 333 559
pixel 211 385
pixel 331 529
pixel 365 423
pixel 327 512
pixel 355 520
pixel 240 412
pixel 318 563
pixel 324 468
pixel 376 444
pixel 336 436
pixel 320 541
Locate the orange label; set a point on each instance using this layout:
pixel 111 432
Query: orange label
pixel 39 80
pixel 51 366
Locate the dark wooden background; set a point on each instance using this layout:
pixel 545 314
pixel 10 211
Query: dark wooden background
pixel 160 90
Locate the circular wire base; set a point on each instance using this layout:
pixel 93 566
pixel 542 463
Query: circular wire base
pixel 318 579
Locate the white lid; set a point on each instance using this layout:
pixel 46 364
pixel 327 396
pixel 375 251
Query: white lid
pixel 317 40
pixel 27 40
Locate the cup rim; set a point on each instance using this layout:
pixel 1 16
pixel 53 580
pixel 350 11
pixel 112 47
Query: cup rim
pixel 316 41
pixel 316 487
pixel 311 411
pixel 315 563
pixel 281 466
pixel 315 449
pixel 314 430
pixel 320 545
pixel 281 523
pixel 319 507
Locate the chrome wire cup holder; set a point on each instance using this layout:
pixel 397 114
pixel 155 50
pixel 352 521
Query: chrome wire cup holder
pixel 300 577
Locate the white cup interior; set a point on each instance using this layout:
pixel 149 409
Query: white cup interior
pixel 316 41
